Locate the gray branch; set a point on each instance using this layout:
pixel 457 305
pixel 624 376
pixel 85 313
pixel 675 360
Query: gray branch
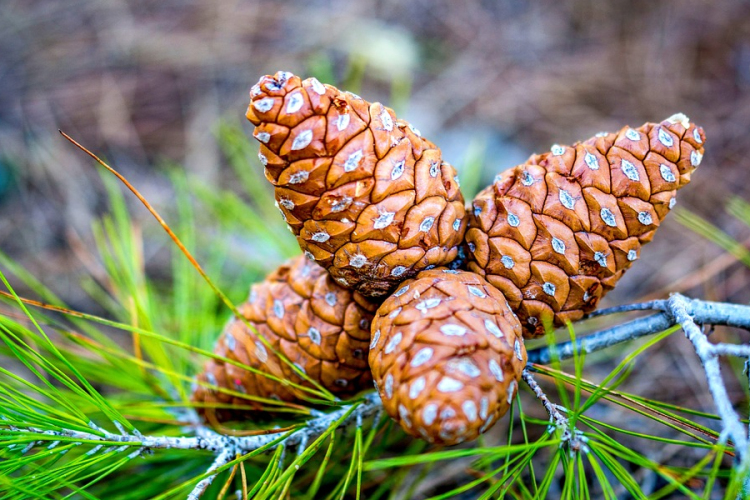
pixel 688 313
pixel 708 353
pixel 205 438
pixel 572 437
pixel 200 488
pixel 556 418
pixel 702 312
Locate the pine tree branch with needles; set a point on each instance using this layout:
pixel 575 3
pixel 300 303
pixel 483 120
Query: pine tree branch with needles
pixel 677 310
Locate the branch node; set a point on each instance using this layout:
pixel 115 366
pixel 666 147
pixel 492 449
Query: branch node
pixel 570 436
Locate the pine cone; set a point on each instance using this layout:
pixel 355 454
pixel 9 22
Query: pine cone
pixel 556 233
pixel 319 326
pixel 446 355
pixel 367 197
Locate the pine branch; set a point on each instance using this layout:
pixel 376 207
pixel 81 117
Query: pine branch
pixel 570 435
pixel 703 313
pixel 688 313
pixel 708 353
pixel 200 488
pixel 205 438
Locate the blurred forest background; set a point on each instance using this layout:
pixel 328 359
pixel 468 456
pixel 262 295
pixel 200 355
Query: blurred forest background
pixel 150 85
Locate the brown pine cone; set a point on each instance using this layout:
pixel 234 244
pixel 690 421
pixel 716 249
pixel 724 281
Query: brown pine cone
pixel 446 355
pixel 556 233
pixel 367 197
pixel 322 328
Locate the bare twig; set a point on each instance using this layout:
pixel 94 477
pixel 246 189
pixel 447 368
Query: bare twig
pixel 200 488
pixel 571 436
pixel 703 312
pixel 641 306
pixel 688 313
pixel 556 418
pixel 679 308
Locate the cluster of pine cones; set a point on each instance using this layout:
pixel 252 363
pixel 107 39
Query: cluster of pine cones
pixel 403 284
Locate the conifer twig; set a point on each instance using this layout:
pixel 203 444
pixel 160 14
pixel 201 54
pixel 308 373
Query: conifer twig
pixel 702 311
pixel 205 438
pixel 571 436
pixel 200 488
pixel 555 416
pixel 688 313
pixel 708 353
pixel 677 310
